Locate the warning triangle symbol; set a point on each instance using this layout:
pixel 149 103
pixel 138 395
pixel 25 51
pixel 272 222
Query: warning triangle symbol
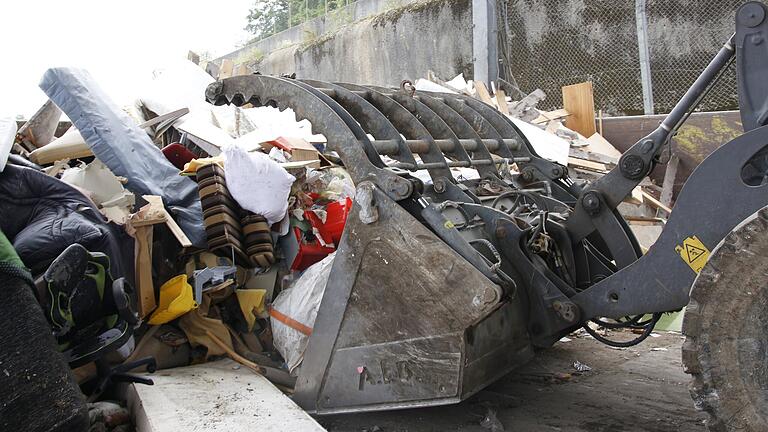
pixel 693 252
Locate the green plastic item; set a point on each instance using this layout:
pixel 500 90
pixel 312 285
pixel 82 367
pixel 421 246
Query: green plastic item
pixel 176 299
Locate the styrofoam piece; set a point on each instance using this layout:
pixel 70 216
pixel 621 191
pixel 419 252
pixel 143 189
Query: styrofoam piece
pixel 427 85
pixel 275 123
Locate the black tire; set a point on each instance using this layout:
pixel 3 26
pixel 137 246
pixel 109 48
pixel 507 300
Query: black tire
pixel 726 329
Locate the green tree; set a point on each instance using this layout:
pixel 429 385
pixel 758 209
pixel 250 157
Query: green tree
pixel 267 17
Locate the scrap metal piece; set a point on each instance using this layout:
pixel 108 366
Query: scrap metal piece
pixel 210 277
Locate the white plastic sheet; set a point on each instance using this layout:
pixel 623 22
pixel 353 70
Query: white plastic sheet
pixel 7 135
pixel 300 302
pixel 547 145
pixel 257 183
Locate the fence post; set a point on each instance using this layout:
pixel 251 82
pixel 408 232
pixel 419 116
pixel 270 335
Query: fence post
pixel 485 54
pixel 641 18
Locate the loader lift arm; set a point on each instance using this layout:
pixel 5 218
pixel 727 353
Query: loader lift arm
pixel 717 196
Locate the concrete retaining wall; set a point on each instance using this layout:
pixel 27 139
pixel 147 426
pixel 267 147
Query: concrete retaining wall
pixel 383 49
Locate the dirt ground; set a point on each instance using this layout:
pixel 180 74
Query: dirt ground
pixel 638 389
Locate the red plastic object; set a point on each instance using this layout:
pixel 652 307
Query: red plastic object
pixel 333 227
pixel 309 253
pixel 178 155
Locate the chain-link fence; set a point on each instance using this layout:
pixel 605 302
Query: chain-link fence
pixel 553 43
pixel 269 17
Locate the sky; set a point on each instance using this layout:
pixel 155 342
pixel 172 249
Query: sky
pixel 119 42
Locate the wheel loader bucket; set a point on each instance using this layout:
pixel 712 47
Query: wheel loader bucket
pixel 412 314
pixel 405 322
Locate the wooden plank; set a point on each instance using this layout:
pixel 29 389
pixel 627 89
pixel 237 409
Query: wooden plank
pixel 653 202
pixel 584 153
pixel 598 144
pixel 600 122
pixel 587 164
pixel 646 221
pixel 547 116
pixel 579 101
pixel 501 101
pixel 670 174
pixel 143 265
pixel 636 197
pixel 157 202
pixel 482 93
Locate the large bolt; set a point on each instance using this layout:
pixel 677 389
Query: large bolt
pixel 439 185
pixel 527 175
pixel 402 187
pixel 591 202
pixel 632 166
pixel 751 14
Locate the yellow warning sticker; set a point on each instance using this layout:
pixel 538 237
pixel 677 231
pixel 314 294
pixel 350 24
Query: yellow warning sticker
pixel 694 253
pixel 448 224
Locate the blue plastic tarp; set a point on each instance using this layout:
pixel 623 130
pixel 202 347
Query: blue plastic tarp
pixel 124 147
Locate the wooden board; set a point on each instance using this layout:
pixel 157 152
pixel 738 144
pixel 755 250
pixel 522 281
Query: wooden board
pixel 143 265
pixel 482 93
pixel 548 116
pixel 584 153
pixel 157 202
pixel 636 197
pixel 501 101
pixel 653 202
pixel 670 174
pixel 579 101
pixel 598 144
pixel 587 164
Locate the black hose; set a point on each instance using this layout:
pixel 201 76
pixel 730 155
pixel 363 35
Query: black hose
pixel 646 332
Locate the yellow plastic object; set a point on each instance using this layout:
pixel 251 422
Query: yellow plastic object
pixel 251 300
pixel 176 299
pixel 192 166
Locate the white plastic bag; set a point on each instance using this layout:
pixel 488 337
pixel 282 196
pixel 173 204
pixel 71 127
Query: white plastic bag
pixel 300 303
pixel 257 182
